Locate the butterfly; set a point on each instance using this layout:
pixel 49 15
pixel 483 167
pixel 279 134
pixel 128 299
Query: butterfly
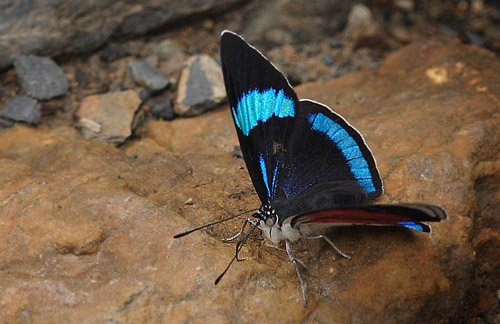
pixel 310 168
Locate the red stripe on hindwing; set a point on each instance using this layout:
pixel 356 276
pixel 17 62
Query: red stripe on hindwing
pixel 354 216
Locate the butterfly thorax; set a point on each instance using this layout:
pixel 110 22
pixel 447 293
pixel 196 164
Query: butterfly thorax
pixel 272 228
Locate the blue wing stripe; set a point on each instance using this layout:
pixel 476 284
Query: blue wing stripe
pixel 255 106
pixel 412 225
pixel 264 174
pixel 348 146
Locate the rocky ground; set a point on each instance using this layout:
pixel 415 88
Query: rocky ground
pixel 110 145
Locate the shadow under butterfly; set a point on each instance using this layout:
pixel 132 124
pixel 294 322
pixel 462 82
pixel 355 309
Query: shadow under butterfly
pixel 310 168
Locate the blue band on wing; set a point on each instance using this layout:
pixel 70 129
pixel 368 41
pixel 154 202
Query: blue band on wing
pixel 348 146
pixel 412 225
pixel 257 105
pixel 264 174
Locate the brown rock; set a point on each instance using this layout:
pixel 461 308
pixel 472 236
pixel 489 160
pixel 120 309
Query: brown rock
pixel 108 117
pixel 86 230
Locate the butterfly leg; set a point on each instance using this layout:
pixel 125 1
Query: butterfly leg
pixel 347 256
pixel 251 220
pixel 296 264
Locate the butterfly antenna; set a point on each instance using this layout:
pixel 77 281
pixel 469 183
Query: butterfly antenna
pixel 214 223
pixel 239 246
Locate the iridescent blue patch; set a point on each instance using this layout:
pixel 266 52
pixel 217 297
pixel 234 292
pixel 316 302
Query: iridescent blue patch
pixel 412 225
pixel 348 146
pixel 255 106
pixel 263 170
pixel 271 190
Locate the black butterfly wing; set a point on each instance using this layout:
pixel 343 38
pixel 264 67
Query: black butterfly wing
pixel 406 215
pixel 328 165
pixel 263 105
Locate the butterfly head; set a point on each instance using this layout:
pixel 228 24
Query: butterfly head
pixel 272 228
pixel 267 215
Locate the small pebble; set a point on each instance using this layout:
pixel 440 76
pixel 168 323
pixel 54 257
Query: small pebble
pixel 166 49
pixel 40 77
pixel 474 38
pixel 5 123
pixel 113 52
pixel 328 59
pixel 144 95
pixel 162 109
pixel 81 78
pixel 23 109
pixel 335 42
pixel 445 30
pixel 237 153
pixel 201 86
pixel 146 74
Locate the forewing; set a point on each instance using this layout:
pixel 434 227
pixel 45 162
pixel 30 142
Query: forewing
pixel 263 105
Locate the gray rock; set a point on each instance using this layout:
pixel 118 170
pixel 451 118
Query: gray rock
pixel 146 74
pixel 328 59
pixel 24 109
pixel 6 123
pixel 162 108
pixel 40 77
pixel 201 86
pixel 72 26
pixel 335 42
pixel 474 38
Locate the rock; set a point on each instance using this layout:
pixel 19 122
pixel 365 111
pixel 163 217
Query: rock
pixel 401 32
pixel 23 109
pixel 335 42
pixel 362 29
pixel 328 59
pixel 162 108
pixel 170 55
pixel 86 233
pixel 108 117
pixel 144 95
pixel 404 5
pixel 113 52
pixel 201 86
pixel 278 37
pixel 40 27
pixel 165 50
pixel 294 22
pixel 144 73
pixel 40 77
pixel 5 123
pixel 474 38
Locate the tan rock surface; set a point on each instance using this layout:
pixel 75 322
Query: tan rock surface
pixel 86 229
